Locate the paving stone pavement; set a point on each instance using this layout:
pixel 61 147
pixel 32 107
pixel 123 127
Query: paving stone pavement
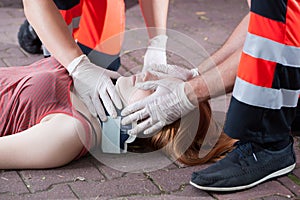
pixel 203 23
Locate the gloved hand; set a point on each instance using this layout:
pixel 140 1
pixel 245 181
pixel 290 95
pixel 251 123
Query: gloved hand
pixel 156 52
pixel 164 71
pixel 91 83
pixel 167 104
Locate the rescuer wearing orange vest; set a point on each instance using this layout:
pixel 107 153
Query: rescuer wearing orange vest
pixel 264 101
pixel 91 22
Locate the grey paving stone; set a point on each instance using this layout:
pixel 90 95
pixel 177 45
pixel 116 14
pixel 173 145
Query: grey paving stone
pixel 188 191
pixel 297 151
pixel 173 180
pixel 129 65
pixel 275 197
pixel 7 29
pixel 17 14
pixel 11 182
pixel 55 192
pixel 165 197
pixel 2 64
pixel 4 16
pixel 21 61
pixel 124 71
pixel 11 196
pixel 108 172
pixel 135 162
pixel 264 190
pixel 131 184
pixel 296 172
pixel 12 52
pixel 11 23
pixel 77 171
pixel 4 46
pixel 137 56
pixel 209 26
pixel 10 3
pixel 292 183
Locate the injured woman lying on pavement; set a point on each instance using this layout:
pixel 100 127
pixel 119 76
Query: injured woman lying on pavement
pixel 43 124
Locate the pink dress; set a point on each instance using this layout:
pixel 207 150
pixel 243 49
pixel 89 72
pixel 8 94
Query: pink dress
pixel 29 93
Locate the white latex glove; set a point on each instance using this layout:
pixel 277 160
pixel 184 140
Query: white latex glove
pixel 91 83
pixel 167 104
pixel 164 71
pixel 156 52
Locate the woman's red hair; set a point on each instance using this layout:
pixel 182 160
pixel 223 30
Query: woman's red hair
pixel 195 139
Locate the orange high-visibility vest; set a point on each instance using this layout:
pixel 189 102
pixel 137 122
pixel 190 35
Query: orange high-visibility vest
pixel 267 87
pixel 271 56
pixel 97 24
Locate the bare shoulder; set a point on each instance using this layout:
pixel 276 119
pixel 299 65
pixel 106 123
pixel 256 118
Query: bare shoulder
pixel 62 120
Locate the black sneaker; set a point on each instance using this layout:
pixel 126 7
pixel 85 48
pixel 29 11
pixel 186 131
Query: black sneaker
pixel 28 39
pixel 246 166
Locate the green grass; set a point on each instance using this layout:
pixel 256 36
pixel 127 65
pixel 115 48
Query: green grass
pixel 294 178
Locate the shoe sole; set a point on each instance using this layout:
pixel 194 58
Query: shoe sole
pixel 228 189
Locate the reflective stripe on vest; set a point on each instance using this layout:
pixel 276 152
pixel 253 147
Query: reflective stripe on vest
pixel 263 48
pixel 74 24
pixel 263 96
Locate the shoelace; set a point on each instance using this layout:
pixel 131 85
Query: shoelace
pixel 245 148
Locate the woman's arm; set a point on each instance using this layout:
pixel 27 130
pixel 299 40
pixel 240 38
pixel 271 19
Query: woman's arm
pixel 51 143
